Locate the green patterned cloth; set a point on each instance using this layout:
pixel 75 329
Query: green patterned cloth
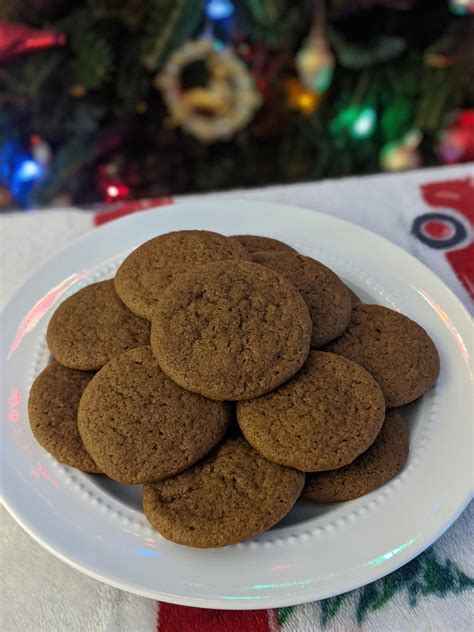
pixel 430 593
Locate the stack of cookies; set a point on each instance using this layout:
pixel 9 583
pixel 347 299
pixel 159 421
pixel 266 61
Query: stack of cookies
pixel 229 376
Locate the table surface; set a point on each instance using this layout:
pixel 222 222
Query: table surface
pixel 418 211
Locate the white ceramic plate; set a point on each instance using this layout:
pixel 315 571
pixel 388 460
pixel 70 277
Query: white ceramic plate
pixel 317 551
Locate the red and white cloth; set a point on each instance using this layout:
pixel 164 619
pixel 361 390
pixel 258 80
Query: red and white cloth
pixel 429 213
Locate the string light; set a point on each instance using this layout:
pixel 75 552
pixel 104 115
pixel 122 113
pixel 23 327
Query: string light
pixel 364 124
pixel 301 98
pixel 118 191
pixel 219 9
pixel 358 120
pixel 402 154
pixel 19 171
pixel 28 170
pixel 112 191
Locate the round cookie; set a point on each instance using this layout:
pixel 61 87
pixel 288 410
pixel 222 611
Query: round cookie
pixel 355 300
pixel 372 469
pixel 323 418
pixel 52 409
pixel 233 494
pixel 92 326
pixel 139 426
pixel 256 243
pixel 149 269
pixel 231 330
pixel 325 294
pixel 394 349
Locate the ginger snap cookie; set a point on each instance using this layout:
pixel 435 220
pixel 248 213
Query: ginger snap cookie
pixel 376 466
pixel 92 326
pixel 149 269
pixel 231 330
pixel 52 409
pixel 325 294
pixel 139 426
pixel 394 349
pixel 256 243
pixel 323 418
pixel 232 494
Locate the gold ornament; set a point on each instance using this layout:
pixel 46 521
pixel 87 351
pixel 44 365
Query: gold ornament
pixel 219 109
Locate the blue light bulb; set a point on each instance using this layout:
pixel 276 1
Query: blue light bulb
pixel 29 170
pixel 219 9
pixel 19 171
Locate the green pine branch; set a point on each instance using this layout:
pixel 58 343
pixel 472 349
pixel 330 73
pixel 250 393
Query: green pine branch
pixel 169 24
pixel 276 23
pixel 92 55
pixel 131 12
pixel 438 96
pixel 93 60
pixel 27 76
pixel 132 80
pixel 356 55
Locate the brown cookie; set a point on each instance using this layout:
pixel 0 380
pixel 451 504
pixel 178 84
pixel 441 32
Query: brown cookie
pixel 394 349
pixel 92 326
pixel 355 300
pixel 149 269
pixel 231 330
pixel 139 426
pixel 231 495
pixel 323 418
pixel 372 469
pixel 324 293
pixel 256 243
pixel 52 409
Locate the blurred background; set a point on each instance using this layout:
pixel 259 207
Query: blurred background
pixel 105 100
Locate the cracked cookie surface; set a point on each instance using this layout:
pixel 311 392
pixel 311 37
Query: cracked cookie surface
pixel 326 296
pixel 52 410
pixel 394 349
pixel 322 419
pixel 372 469
pixel 231 495
pixel 93 326
pixel 139 426
pixel 149 269
pixel 231 330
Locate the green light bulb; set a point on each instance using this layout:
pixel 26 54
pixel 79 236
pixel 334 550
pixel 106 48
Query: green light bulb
pixel 364 124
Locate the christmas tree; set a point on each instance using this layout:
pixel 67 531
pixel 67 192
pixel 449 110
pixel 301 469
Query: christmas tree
pixel 107 99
